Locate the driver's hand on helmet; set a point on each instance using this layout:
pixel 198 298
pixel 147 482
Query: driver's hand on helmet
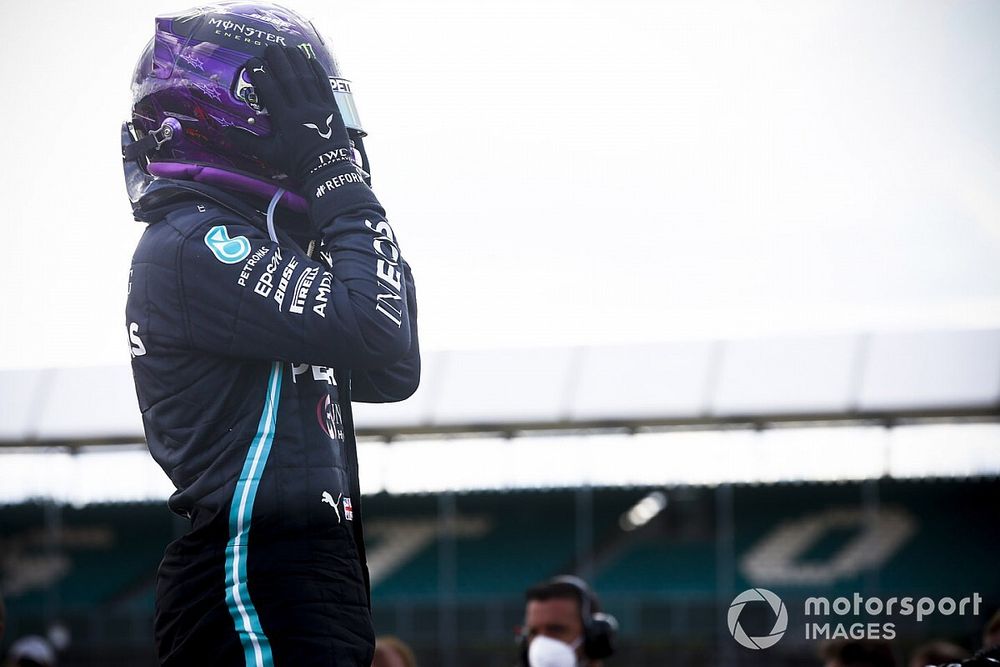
pixel 308 139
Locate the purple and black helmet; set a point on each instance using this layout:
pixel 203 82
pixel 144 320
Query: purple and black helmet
pixel 190 84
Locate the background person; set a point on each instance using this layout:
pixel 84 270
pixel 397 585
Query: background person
pixel 937 653
pixel 857 653
pixel 393 652
pixel 564 625
pixel 991 633
pixel 31 651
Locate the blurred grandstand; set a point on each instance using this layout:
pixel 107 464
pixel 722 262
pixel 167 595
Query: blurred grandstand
pixel 672 476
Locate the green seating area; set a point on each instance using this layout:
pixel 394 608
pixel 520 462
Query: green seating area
pixel 92 557
pixel 528 536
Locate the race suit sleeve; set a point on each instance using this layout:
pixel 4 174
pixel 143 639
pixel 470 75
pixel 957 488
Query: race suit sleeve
pixel 398 381
pixel 248 297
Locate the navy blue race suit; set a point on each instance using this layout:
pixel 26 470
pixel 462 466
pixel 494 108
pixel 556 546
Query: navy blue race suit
pixel 247 354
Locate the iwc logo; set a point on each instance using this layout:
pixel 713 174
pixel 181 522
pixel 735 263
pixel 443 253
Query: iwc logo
pixel 780 618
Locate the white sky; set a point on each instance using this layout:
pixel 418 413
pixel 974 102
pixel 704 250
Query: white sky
pixel 569 172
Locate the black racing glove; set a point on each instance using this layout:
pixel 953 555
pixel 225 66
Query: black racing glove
pixel 308 139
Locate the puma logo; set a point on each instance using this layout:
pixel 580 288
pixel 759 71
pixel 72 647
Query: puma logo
pixel 329 130
pixel 328 499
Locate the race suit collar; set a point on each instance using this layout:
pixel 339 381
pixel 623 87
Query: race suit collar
pixel 166 194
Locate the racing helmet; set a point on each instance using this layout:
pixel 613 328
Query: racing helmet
pixel 190 84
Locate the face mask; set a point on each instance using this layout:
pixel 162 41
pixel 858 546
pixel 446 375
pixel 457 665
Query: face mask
pixel 547 652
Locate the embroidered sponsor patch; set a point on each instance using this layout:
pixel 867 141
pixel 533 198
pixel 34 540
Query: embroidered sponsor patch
pixel 227 250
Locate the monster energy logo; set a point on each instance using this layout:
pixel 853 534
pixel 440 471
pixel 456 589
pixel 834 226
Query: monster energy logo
pixel 244 32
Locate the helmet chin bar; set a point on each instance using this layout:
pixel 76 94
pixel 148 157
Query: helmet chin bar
pixel 135 155
pixel 134 148
pixel 138 176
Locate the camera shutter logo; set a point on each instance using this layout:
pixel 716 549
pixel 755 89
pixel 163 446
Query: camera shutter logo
pixel 780 618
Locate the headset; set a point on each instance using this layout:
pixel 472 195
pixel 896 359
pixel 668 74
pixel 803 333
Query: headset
pixel 600 630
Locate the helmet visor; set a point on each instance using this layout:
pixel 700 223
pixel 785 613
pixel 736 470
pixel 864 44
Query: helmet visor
pixel 345 102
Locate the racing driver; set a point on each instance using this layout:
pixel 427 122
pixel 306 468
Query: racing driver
pixel 266 294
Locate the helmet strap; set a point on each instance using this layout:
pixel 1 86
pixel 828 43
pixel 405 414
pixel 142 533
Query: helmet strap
pixel 152 141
